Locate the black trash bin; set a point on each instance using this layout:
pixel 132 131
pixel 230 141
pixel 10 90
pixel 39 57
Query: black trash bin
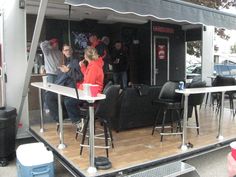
pixel 7 134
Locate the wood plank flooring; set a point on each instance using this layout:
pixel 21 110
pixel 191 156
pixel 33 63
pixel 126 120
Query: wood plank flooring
pixel 138 146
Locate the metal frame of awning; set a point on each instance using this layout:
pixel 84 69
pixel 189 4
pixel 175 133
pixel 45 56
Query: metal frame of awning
pixel 175 10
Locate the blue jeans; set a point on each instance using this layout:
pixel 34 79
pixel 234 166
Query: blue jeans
pixel 120 78
pixel 51 78
pixel 71 105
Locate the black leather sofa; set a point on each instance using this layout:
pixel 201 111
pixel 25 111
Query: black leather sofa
pixel 136 108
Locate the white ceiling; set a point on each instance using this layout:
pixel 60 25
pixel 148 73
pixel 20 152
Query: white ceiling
pixel 58 10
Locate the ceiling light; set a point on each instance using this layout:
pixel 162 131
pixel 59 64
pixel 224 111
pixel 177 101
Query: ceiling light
pixel 87 13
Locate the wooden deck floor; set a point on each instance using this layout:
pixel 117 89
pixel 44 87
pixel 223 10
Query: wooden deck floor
pixel 138 146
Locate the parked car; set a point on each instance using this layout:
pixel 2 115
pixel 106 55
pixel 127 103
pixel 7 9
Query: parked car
pixel 194 71
pixel 226 70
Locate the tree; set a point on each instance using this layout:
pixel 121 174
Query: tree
pixel 195 47
pixel 216 4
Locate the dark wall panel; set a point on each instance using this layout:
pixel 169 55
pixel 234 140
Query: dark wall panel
pixel 59 29
pixel 144 62
pixel 177 57
pixel 176 49
pixel 30 23
pixel 194 34
pixel 136 39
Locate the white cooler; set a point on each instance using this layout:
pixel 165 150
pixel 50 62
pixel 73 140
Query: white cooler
pixel 34 160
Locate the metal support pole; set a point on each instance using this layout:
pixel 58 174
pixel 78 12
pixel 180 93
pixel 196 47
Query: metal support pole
pixel 61 133
pixel 33 49
pixel 3 63
pixel 220 135
pixel 92 169
pixel 41 111
pixel 184 145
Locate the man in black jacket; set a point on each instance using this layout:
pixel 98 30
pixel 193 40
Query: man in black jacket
pixel 68 76
pixel 119 64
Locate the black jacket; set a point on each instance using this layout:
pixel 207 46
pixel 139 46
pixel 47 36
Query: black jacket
pixel 122 56
pixel 73 76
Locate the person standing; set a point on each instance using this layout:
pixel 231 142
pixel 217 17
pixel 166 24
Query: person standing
pixel 52 58
pixel 101 50
pixel 119 64
pixel 108 70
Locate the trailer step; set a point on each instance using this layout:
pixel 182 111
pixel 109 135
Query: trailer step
pixel 168 170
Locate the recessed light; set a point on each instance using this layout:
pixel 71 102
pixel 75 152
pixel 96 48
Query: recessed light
pixel 87 13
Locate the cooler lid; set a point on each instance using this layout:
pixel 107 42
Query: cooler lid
pixel 33 154
pixel 7 112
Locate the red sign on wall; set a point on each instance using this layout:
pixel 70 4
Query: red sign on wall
pixel 161 52
pixel 163 29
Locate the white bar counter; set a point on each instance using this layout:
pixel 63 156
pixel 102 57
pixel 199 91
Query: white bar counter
pixel 70 92
pixel 188 91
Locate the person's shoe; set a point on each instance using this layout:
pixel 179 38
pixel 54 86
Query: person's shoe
pixel 80 126
pixel 47 111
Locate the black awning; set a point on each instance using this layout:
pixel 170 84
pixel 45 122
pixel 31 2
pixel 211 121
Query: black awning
pixel 176 10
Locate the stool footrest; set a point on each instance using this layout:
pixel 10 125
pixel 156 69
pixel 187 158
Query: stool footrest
pixel 167 134
pixel 101 147
pixel 159 127
pixel 192 126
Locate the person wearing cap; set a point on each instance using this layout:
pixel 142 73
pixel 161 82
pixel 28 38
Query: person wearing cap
pixel 52 58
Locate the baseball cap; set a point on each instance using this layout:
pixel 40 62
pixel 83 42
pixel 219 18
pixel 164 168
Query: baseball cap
pixel 53 41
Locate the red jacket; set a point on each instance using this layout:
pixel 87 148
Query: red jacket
pixel 93 74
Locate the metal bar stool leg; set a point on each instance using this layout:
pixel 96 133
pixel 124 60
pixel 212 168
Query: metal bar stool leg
pixel 179 120
pixel 154 126
pixel 172 121
pixel 84 135
pixel 163 124
pixel 106 137
pixel 196 118
pixel 111 136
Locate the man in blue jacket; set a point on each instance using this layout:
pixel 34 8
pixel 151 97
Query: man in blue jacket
pixel 69 75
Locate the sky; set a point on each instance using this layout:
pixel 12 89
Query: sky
pixel 230 10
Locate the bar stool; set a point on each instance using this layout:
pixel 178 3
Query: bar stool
pixel 105 110
pixel 224 81
pixel 195 100
pixel 168 100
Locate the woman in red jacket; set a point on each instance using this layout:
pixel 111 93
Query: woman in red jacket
pixel 93 73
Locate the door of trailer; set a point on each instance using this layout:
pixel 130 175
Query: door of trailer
pixel 161 60
pixel 2 83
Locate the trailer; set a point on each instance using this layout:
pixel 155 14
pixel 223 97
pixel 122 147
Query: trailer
pixel 160 28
